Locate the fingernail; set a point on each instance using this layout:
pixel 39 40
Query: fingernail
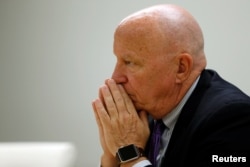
pixel 106 81
pixel 111 81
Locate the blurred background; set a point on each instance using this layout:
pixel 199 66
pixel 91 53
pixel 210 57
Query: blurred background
pixel 54 54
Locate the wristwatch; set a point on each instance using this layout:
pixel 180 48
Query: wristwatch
pixel 129 153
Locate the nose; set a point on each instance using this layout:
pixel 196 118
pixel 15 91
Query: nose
pixel 119 75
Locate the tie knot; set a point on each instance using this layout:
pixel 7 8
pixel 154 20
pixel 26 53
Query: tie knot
pixel 159 127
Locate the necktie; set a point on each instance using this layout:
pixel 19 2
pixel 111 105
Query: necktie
pixel 155 141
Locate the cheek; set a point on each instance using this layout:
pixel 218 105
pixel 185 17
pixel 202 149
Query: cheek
pixel 159 83
pixel 161 73
pixel 138 86
pixel 150 82
pixel 145 86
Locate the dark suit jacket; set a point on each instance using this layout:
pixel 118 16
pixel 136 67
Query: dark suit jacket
pixel 214 121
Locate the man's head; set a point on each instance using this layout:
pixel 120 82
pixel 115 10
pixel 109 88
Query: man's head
pixel 160 53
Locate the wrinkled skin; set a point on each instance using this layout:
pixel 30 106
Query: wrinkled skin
pixel 159 53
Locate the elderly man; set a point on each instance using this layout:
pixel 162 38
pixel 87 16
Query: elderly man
pixel 162 107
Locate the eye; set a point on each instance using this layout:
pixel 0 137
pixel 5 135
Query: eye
pixel 128 62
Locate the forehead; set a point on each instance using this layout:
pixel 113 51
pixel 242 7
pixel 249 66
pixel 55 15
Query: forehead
pixel 132 45
pixel 129 51
pixel 140 36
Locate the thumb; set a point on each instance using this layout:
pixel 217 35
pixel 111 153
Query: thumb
pixel 144 117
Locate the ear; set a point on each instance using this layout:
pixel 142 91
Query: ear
pixel 185 65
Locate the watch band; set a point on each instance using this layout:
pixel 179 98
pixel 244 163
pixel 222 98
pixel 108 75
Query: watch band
pixel 141 151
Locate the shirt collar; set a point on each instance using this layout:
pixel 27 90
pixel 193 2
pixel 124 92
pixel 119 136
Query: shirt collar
pixel 170 119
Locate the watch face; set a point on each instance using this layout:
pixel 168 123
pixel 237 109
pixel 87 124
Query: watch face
pixel 128 153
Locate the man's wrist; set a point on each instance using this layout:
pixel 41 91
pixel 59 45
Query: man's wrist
pixel 108 161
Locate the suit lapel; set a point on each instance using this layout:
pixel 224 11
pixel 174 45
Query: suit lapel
pixel 187 113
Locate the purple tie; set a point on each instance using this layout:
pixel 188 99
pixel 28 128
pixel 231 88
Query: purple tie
pixel 155 141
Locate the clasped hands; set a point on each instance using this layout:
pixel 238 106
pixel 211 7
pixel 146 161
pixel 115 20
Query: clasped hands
pixel 118 121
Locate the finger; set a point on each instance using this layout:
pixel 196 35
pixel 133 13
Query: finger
pixel 101 97
pixel 101 114
pixel 129 104
pixel 117 96
pixel 98 121
pixel 109 102
pixel 144 117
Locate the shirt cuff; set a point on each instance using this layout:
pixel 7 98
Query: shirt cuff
pixel 143 163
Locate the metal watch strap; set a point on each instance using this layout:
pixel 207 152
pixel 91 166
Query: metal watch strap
pixel 141 151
